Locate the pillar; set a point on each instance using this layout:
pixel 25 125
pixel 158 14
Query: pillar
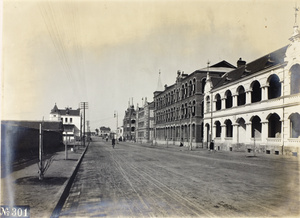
pixel 235 133
pixel 264 131
pixel 248 97
pixel 234 100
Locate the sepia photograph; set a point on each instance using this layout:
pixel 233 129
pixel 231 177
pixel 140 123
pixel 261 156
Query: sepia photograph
pixel 150 108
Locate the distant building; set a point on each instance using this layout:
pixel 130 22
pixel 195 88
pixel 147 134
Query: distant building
pixel 255 108
pixel 145 122
pixel 70 119
pixel 104 131
pixel 129 124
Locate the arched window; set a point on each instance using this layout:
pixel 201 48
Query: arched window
pixel 256 127
pixel 256 92
pixel 207 104
pixel 182 92
pixel 218 128
pixel 203 82
pixel 190 88
pixel 295 79
pixel 229 128
pixel 202 108
pixel 228 99
pixel 194 86
pixel 194 108
pixel 186 90
pixel 274 90
pixel 218 102
pixel 274 126
pixel 295 125
pixel 241 98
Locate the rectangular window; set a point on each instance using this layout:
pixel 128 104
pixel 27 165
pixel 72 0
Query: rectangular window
pixel 71 120
pixel 66 119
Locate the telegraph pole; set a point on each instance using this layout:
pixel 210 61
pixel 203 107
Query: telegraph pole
pixel 41 173
pixel 83 105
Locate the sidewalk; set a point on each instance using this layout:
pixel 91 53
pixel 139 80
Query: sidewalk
pixel 23 187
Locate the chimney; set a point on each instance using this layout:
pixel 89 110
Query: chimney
pixel 241 63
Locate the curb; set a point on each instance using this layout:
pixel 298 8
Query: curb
pixel 67 188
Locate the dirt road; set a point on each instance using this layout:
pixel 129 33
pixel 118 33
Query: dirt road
pixel 135 180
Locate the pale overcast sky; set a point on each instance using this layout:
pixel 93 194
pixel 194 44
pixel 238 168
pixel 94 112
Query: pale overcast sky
pixel 107 52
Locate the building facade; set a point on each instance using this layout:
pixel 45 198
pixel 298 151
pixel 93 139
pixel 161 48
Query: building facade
pixel 255 108
pixel 145 122
pixel 71 121
pixel 104 132
pixel 129 124
pixel 178 109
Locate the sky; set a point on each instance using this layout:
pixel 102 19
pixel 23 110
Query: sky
pixel 110 53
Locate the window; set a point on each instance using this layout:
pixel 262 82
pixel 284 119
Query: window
pixel 66 119
pixel 207 104
pixel 274 90
pixel 241 98
pixel 256 92
pixel 218 129
pixel 218 102
pixel 256 127
pixel 274 126
pixel 295 79
pixel 295 125
pixel 203 82
pixel 71 120
pixel 228 124
pixel 228 99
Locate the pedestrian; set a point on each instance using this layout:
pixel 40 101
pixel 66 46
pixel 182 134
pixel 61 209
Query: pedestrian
pixel 211 145
pixel 113 142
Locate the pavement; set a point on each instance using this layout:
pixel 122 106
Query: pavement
pixel 46 198
pixel 23 187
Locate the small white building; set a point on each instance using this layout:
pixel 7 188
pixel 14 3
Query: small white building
pixel 70 119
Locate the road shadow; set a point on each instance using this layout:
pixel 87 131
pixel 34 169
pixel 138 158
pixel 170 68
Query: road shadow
pixel 34 180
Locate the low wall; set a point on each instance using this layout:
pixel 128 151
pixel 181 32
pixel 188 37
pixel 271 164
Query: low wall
pixel 18 141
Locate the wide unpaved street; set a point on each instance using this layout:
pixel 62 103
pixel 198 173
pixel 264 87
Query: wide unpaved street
pixel 136 180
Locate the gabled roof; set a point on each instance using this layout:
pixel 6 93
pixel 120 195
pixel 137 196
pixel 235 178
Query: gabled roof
pixel 265 62
pixel 66 111
pixel 223 64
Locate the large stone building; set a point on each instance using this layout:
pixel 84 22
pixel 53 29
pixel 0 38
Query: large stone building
pixel 256 106
pixel 129 123
pixel 145 122
pixel 178 113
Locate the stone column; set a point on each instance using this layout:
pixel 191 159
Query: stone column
pixel 223 103
pixel 248 96
pixel 223 132
pixel 234 100
pixel 264 131
pixel 213 134
pixel 248 132
pixel 264 92
pixel 235 133
pixel 214 108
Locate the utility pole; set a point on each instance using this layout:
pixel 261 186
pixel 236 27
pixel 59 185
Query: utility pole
pixel 83 105
pixel 116 115
pixel 41 173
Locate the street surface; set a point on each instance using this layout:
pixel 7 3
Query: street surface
pixel 134 180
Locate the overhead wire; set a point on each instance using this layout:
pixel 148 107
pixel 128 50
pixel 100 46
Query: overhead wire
pixel 58 34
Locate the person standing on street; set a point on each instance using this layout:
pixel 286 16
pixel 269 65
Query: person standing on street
pixel 113 141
